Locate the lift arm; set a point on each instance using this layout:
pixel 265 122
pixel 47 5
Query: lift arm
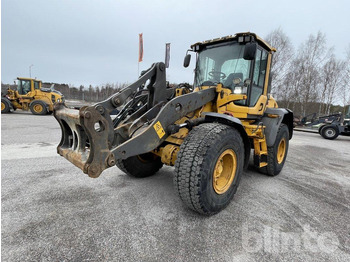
pixel 92 141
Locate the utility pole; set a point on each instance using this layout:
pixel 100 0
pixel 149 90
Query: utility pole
pixel 30 71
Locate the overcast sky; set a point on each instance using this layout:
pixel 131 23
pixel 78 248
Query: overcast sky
pixel 96 41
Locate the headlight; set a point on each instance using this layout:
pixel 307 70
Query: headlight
pixel 238 90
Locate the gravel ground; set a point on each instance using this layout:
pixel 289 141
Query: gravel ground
pixel 51 211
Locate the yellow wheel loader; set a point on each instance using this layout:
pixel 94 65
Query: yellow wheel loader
pixel 207 132
pixel 30 96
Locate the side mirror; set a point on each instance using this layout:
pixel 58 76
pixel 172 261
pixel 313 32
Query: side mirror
pixel 187 60
pixel 249 51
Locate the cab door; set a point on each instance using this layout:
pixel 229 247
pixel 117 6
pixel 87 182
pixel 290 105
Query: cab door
pixel 25 93
pixel 257 97
pixel 24 88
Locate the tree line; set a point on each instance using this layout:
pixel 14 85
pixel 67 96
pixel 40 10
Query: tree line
pixel 70 92
pixel 309 79
pixel 89 94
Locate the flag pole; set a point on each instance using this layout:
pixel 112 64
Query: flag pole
pixel 140 54
pixel 167 55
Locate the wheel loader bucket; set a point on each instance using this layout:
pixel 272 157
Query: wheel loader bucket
pixel 86 138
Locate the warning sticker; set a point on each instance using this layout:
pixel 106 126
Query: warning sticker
pixel 159 129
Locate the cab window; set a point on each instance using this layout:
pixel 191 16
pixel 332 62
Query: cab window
pixel 36 85
pixel 259 76
pixel 23 87
pixel 221 64
pixel 207 65
pixel 240 67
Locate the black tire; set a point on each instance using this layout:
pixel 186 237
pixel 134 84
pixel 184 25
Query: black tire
pixel 330 132
pixel 196 162
pixel 38 108
pixel 140 166
pixel 5 106
pixel 320 129
pixel 276 158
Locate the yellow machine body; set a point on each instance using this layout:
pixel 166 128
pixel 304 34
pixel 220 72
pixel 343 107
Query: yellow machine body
pixel 28 94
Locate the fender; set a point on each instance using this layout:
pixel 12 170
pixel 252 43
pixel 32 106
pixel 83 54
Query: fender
pixel 211 117
pixel 273 124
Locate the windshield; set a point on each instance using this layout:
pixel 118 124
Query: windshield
pixel 222 64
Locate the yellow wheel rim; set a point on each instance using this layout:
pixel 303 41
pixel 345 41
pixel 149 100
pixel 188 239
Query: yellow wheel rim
pixel 3 106
pixel 38 108
pixel 224 171
pixel 281 151
pixel 146 158
pixel 141 159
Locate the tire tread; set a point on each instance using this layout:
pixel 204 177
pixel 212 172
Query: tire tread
pixel 189 163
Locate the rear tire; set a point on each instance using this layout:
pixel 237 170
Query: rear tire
pixel 277 154
pixel 329 132
pixel 140 166
pixel 5 106
pixel 208 168
pixel 38 108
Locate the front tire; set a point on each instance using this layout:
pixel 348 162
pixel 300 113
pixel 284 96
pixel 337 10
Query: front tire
pixel 208 168
pixel 38 108
pixel 140 166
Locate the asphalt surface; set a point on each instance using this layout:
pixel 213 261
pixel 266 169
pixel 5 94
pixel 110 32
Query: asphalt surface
pixel 51 211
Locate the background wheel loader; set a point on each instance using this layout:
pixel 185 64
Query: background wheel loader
pixel 30 96
pixel 207 132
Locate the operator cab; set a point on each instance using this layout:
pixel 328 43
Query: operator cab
pixel 24 85
pixel 238 62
